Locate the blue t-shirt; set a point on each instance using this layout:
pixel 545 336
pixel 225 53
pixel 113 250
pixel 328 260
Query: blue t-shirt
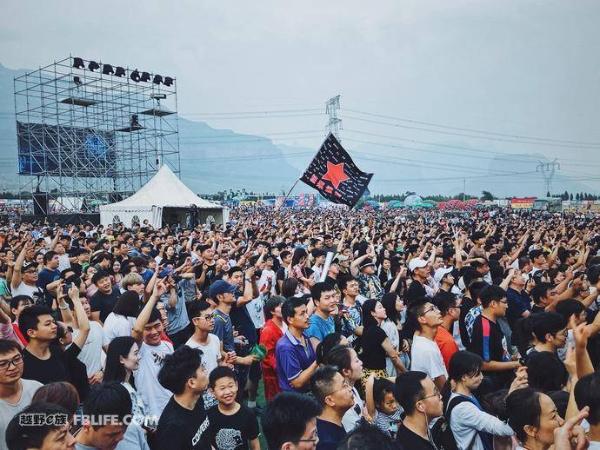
pixel 178 316
pixel 319 327
pixel 224 330
pixel 45 277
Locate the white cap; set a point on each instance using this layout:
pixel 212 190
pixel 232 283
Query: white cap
pixel 416 263
pixel 439 273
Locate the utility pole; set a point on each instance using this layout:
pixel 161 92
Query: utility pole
pixel 335 123
pixel 548 170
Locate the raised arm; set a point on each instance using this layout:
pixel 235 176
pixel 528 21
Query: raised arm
pixel 142 319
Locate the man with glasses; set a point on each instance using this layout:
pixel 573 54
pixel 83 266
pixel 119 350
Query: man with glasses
pixel 290 422
pixel 202 317
pixel 334 393
pixel 422 402
pixel 15 392
pixel 426 355
pixel 488 341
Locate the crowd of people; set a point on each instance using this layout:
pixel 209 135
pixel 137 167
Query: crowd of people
pixel 301 329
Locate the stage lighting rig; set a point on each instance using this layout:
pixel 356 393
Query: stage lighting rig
pixel 93 65
pixel 145 76
pixel 157 79
pixel 107 69
pixel 120 72
pixel 135 76
pixel 168 81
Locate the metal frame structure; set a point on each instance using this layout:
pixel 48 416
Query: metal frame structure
pixel 73 113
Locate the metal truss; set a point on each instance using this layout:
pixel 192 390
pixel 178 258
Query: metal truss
pixel 91 136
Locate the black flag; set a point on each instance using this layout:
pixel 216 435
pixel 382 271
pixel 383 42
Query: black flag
pixel 333 173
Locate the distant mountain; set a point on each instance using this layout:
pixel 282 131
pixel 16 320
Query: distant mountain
pixel 213 160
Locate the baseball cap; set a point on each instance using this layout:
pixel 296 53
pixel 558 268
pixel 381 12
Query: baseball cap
pixel 340 258
pixel 28 265
pixel 220 287
pixel 416 263
pixel 366 263
pixel 439 273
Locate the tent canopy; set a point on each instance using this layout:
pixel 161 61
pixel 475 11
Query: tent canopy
pixel 163 190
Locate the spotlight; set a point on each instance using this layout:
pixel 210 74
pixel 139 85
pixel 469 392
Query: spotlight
pixel 77 81
pixel 157 79
pixel 78 63
pixel 93 65
pixel 107 69
pixel 145 76
pixel 168 81
pixel 135 76
pixel 120 72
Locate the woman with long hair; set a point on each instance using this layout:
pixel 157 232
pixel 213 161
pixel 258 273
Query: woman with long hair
pixel 122 359
pixel 393 306
pixel 472 427
pixel 375 345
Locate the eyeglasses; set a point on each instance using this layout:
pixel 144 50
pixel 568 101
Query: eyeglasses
pixel 16 361
pixel 436 393
pixel 428 310
pixel 312 440
pixel 345 385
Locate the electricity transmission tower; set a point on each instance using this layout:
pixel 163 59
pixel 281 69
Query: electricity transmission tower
pixel 548 170
pixel 335 123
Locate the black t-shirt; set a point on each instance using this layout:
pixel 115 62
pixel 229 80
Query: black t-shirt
pixel 104 303
pixel 373 354
pixel 45 370
pixel 492 348
pixel 240 318
pixel 415 291
pixel 232 432
pixel 407 440
pixel 465 306
pixel 330 435
pixel 182 429
pixel 77 371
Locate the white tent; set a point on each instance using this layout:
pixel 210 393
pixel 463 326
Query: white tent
pixel 163 197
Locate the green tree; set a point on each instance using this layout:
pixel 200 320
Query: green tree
pixel 487 195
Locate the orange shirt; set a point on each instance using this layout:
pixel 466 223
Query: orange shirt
pixel 446 344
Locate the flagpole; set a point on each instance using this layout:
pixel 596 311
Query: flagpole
pixel 289 192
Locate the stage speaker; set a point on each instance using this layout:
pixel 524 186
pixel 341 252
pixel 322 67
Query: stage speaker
pixel 40 204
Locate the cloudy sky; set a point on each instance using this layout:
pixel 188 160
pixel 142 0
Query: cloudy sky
pixel 516 68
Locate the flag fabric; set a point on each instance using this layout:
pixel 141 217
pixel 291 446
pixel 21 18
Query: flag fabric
pixel 333 173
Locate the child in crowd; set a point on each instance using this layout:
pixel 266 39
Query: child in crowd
pixel 382 405
pixel 232 425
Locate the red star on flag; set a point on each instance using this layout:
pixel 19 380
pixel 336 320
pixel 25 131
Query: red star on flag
pixel 335 174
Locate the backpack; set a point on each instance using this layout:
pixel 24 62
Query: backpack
pixel 441 433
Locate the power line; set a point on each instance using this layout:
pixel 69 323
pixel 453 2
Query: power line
pixel 473 130
pixel 449 133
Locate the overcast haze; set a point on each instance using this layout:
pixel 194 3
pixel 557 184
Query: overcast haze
pixel 515 67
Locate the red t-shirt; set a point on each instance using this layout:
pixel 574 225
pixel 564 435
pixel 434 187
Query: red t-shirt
pixel 269 336
pixel 446 344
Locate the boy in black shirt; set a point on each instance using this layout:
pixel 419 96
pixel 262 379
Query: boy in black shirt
pixel 232 426
pixel 183 423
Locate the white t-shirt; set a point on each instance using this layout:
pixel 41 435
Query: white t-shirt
pixel 155 396
pixel 92 354
pixel 211 351
pixel 117 325
pixel 426 357
pixel 25 289
pixel 10 410
pixel 255 309
pixel 352 417
pixel 64 262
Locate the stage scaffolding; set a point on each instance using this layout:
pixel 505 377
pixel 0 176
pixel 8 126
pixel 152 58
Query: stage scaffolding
pixel 88 137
